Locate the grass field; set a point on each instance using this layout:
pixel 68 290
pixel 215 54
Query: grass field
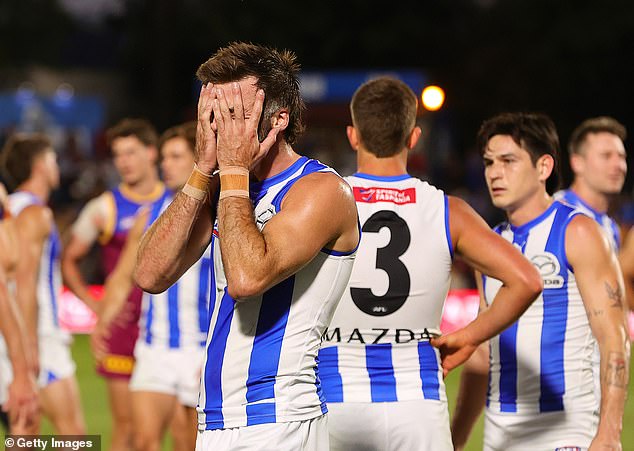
pixel 97 416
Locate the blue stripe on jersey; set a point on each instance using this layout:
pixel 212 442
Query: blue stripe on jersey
pixel 428 370
pixel 616 233
pixel 204 278
pixel 508 369
pixel 172 314
pixel 149 318
pixel 215 359
pixel 329 370
pixel 267 347
pixel 311 166
pixel 551 377
pixel 447 231
pixel 378 360
pixel 53 252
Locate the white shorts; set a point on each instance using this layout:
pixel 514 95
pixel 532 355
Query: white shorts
pixel 56 362
pixel 308 435
pixel 544 431
pixel 170 371
pixel 382 426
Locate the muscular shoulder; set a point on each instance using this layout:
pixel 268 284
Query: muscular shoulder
pixel 34 222
pixel 585 241
pixel 321 186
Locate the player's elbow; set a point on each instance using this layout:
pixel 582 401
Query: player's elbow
pixel 242 286
pixel 149 281
pixel 532 283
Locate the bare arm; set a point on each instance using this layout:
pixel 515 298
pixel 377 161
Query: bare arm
pixel 490 254
pixel 255 261
pixel 84 233
pixel 626 260
pixel 178 238
pixel 600 283
pixel 474 383
pixel 33 227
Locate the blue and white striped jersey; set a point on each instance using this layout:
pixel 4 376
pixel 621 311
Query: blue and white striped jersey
pixel 178 317
pixel 260 364
pixel 608 225
pixel 544 361
pixel 49 278
pixel 376 348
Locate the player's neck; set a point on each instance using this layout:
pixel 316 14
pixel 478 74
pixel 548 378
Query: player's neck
pixel 280 157
pixel 144 187
pixel 36 186
pixel 598 201
pixel 368 163
pixel 529 209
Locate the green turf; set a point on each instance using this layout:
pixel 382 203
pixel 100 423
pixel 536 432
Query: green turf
pixel 93 393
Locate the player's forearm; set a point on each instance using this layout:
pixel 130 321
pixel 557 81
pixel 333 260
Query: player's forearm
pixel 243 247
pixel 615 363
pixel 508 305
pixel 469 405
pixel 12 329
pixel 164 247
pixel 74 281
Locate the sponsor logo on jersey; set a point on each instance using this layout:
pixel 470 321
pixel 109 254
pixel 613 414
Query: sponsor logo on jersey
pixel 568 448
pixel 377 335
pixel 548 266
pixel 378 194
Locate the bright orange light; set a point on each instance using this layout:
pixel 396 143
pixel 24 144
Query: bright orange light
pixel 433 98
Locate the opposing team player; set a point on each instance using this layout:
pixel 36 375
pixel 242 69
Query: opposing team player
pixel 285 234
pixel 30 163
pixel 541 391
pixel 170 348
pixel 19 397
pixel 382 379
pixel 107 219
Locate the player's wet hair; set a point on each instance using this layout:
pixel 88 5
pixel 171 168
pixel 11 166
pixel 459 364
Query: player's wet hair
pixel 594 125
pixel 534 132
pixel 384 113
pixel 276 72
pixel 18 155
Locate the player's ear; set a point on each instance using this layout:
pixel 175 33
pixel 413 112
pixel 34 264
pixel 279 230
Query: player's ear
pixel 414 136
pixel 154 154
pixel 280 119
pixel 353 137
pixel 545 165
pixel 576 163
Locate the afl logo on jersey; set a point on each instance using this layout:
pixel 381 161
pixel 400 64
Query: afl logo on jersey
pixel 548 266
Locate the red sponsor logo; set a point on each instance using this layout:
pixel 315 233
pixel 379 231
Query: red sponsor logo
pixel 375 194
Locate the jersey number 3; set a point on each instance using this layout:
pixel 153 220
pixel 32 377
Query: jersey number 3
pixel 387 259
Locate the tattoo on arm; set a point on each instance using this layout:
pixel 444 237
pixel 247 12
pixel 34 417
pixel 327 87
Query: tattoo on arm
pixel 615 294
pixel 616 373
pixel 597 312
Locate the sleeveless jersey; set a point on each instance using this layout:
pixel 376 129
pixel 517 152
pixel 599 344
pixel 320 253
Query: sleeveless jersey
pixel 260 365
pixel 608 225
pixel 124 208
pixel 49 278
pixel 543 362
pixel 178 317
pixel 376 348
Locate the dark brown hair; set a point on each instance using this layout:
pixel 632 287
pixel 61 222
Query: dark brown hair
pixel 595 125
pixel 142 129
pixel 384 113
pixel 187 131
pixel 533 132
pixel 277 73
pixel 18 155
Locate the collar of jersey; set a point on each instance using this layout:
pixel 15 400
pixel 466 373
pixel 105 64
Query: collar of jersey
pixel 277 178
pixel 382 178
pixel 596 213
pixel 537 220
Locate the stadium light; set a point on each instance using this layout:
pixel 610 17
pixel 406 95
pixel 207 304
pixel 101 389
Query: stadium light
pixel 433 98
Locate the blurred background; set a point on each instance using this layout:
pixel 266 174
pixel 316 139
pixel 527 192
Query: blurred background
pixel 72 68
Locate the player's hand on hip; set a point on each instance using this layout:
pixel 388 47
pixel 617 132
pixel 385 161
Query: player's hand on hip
pixel 206 156
pixel 238 143
pixel 454 349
